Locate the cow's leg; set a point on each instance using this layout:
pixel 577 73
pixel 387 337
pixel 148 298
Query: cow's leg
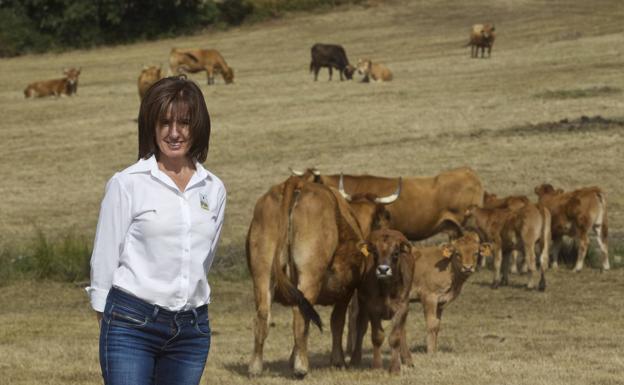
pixel 514 262
pixel 354 308
pixel 316 72
pixel 261 323
pixel 377 338
pixel 582 249
pixel 330 72
pixel 529 256
pixel 555 251
pixel 337 328
pixel 498 261
pixel 360 330
pixel 505 268
pixel 432 319
pixel 299 357
pixel 341 76
pixel 406 354
pixel 210 75
pixel 396 336
pixel 601 231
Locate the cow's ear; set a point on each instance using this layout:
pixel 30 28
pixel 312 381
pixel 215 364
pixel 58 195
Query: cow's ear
pixel 448 250
pixel 485 249
pixel 406 247
pixel 364 248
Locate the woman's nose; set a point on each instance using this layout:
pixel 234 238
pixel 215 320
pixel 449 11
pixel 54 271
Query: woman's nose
pixel 174 130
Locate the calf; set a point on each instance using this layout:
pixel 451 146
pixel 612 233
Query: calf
pixel 481 36
pixel 574 213
pixel 377 71
pixel 67 85
pixel 384 294
pixel 149 75
pixel 330 56
pixel 521 229
pixel 439 275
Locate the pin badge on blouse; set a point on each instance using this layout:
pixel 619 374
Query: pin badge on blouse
pixel 203 201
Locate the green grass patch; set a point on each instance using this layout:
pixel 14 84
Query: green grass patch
pixel 579 93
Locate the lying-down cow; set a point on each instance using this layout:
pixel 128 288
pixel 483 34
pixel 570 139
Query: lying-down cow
pixel 376 71
pixel 57 87
pixel 384 295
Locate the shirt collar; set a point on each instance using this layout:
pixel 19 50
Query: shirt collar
pixel 150 165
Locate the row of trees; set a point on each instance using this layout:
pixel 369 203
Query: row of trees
pixel 43 25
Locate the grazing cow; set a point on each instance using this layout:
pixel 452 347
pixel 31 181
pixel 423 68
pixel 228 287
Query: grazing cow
pixel 426 204
pixel 197 60
pixel 303 238
pixel 149 75
pixel 377 71
pixel 574 214
pixel 439 275
pixel 57 87
pixel 481 36
pixel 330 56
pixel 520 229
pixel 384 295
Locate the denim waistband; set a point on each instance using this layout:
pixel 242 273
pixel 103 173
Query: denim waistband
pixel 120 297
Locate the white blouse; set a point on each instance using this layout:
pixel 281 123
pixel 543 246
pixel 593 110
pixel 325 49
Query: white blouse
pixel 154 241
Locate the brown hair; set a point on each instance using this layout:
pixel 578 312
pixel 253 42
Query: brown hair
pixel 183 95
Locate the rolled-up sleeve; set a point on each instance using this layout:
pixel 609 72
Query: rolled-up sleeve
pixel 113 223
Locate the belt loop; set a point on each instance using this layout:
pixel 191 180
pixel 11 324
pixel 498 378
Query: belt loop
pixel 155 313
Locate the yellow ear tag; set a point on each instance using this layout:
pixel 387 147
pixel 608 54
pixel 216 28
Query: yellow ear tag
pixel 364 251
pixel 446 252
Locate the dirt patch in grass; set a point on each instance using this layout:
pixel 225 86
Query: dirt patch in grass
pixel 579 93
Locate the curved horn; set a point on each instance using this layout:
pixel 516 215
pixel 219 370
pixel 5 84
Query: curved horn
pixel 341 189
pixel 296 172
pixel 391 198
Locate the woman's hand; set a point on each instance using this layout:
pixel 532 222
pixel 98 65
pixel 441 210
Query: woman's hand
pixel 99 317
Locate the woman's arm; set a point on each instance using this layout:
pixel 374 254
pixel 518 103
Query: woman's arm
pixel 113 223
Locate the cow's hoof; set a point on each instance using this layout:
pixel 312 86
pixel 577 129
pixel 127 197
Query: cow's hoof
pixel 504 282
pixel 300 373
pixel 255 369
pixel 494 285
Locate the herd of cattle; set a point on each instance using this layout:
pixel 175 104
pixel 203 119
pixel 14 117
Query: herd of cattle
pixel 345 241
pixel 212 62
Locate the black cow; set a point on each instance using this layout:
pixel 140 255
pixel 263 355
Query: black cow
pixel 330 56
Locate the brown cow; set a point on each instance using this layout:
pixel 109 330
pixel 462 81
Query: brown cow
pixel 425 204
pixel 439 275
pixel 57 87
pixel 377 71
pixel 520 229
pixel 574 214
pixel 197 60
pixel 304 236
pixel 149 75
pixel 384 294
pixel 513 202
pixel 481 36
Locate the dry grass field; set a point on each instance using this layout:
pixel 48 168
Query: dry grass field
pixel 552 60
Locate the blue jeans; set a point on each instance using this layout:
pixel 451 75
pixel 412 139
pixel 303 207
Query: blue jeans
pixel 143 344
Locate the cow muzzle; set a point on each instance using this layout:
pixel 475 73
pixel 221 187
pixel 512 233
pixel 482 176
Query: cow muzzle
pixel 467 269
pixel 383 272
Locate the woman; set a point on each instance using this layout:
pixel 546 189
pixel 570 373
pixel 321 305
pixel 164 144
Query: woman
pixel 156 237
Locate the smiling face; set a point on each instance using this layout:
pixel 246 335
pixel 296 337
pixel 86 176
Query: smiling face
pixel 173 134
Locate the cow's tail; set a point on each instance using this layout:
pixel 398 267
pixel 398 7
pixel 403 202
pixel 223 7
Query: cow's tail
pixel 545 244
pixel 284 285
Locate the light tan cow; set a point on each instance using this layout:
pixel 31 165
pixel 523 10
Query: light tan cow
pixel 149 75
pixel 439 275
pixel 574 214
pixel 302 249
pixel 57 87
pixel 198 60
pixel 376 71
pixel 521 229
pixel 481 36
